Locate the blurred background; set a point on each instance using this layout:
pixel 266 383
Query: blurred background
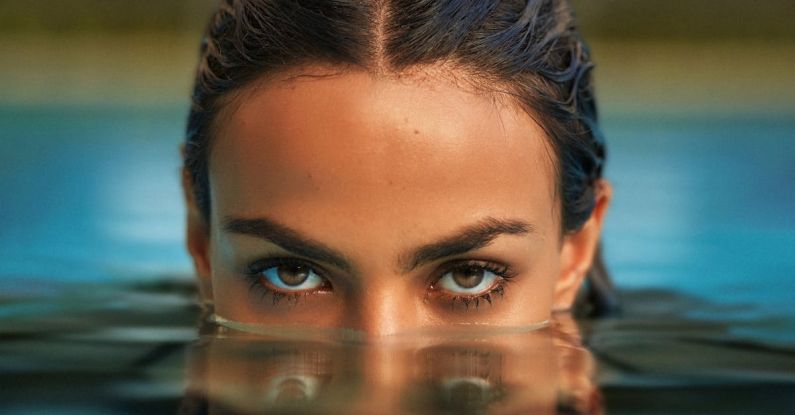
pixel 697 102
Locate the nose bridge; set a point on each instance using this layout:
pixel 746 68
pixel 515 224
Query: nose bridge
pixel 382 306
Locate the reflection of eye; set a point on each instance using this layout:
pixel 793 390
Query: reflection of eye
pixel 287 275
pixel 467 392
pixel 293 389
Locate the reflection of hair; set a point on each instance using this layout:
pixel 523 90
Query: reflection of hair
pixel 528 49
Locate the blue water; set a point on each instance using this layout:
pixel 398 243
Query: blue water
pixel 706 206
pixel 90 194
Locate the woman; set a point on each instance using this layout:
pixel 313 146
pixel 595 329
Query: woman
pixel 395 166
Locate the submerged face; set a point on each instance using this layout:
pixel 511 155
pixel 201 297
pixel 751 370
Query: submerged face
pixel 383 205
pixel 539 372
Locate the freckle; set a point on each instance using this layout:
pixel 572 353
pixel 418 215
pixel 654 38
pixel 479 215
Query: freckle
pixel 416 131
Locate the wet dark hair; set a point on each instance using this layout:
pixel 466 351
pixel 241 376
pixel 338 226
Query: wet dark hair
pixel 529 50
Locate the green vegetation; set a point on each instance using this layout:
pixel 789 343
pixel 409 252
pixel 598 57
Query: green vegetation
pixel 103 16
pixel 612 19
pixel 687 20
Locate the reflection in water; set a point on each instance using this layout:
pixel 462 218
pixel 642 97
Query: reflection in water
pixel 129 346
pixel 543 371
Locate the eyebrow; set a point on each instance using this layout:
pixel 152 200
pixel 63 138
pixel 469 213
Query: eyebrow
pixel 288 239
pixel 466 239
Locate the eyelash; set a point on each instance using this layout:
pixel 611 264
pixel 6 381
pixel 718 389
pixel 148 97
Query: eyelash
pixel 254 275
pixel 504 275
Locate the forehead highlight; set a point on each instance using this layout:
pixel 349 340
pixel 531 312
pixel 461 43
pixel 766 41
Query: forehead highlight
pixel 449 137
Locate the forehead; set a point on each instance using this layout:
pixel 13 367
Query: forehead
pixel 355 147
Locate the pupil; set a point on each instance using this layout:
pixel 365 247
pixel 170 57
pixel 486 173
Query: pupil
pixel 468 278
pixel 293 275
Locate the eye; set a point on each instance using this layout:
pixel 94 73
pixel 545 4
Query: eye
pixel 467 393
pixel 288 275
pixel 292 389
pixel 469 280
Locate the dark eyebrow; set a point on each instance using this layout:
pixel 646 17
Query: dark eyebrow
pixel 288 240
pixel 467 239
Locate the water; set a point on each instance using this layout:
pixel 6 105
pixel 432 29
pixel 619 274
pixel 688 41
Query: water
pixel 97 311
pixel 145 349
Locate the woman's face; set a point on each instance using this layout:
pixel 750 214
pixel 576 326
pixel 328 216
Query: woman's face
pixel 383 205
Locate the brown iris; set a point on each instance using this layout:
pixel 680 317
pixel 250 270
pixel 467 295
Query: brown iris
pixel 293 275
pixel 468 277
